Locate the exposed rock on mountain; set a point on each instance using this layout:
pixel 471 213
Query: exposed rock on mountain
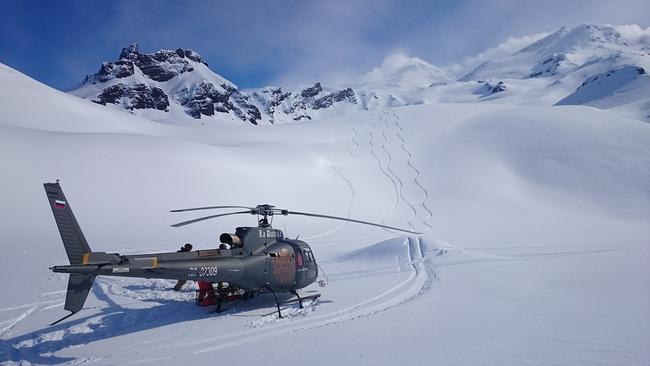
pixel 136 96
pixel 488 88
pixel 589 64
pixel 282 106
pixel 560 53
pixel 551 66
pixel 180 81
pixel 604 84
pixel 311 99
pixel 204 99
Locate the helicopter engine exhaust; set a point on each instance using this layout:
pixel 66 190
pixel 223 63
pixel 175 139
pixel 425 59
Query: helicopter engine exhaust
pixel 230 239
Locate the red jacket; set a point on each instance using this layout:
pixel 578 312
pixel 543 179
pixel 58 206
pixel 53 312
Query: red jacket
pixel 203 285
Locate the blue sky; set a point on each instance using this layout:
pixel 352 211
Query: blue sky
pixel 257 43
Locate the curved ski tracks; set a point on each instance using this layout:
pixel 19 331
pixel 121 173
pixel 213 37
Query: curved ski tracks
pixel 416 170
pixel 387 165
pixel 420 277
pixel 350 188
pixel 385 173
pixel 419 270
pixel 395 177
pixel 421 273
pixel 349 208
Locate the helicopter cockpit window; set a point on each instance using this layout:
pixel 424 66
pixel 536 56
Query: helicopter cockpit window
pixel 308 256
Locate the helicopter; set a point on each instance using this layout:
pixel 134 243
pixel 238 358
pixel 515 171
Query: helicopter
pixel 259 259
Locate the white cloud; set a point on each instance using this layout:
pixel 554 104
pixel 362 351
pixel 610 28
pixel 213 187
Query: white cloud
pixel 634 33
pixel 392 64
pixel 506 48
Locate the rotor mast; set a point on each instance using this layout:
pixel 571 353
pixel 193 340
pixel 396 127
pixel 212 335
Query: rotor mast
pixel 266 211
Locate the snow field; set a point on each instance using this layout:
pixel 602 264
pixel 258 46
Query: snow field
pixel 535 244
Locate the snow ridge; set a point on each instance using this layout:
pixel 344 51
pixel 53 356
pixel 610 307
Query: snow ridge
pixel 177 86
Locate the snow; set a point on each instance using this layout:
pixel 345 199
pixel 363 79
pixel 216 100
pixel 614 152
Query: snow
pixel 401 71
pixel 537 70
pixel 608 84
pixel 201 73
pixel 535 249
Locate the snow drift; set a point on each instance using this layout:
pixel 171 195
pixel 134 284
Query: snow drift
pixel 534 218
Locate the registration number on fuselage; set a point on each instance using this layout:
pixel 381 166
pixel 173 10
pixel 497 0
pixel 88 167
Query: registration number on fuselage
pixel 202 272
pixel 207 271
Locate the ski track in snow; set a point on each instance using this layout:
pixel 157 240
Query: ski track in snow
pixel 421 272
pixel 388 147
pixel 385 151
pixel 33 308
pixel 416 170
pixel 394 176
pixel 385 144
pixel 384 172
pixel 348 209
pixel 421 275
pixel 14 321
pixel 350 188
pixel 417 282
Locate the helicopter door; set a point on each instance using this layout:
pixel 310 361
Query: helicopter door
pixel 310 263
pixel 299 259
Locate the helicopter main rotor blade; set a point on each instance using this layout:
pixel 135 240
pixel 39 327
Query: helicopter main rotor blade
pixel 346 219
pixel 208 208
pixel 210 217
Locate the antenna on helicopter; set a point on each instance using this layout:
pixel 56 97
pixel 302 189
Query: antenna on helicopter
pixel 265 211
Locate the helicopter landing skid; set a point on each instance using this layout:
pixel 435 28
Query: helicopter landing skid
pixel 299 299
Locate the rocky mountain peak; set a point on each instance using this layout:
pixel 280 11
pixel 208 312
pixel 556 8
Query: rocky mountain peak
pixel 312 91
pixel 173 80
pixel 130 53
pixel 159 66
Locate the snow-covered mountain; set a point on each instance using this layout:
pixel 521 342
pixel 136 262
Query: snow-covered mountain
pixel 594 65
pixel 534 220
pixel 177 84
pixel 590 64
pixel 560 53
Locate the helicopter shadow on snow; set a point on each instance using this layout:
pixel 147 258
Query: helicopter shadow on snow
pixel 113 320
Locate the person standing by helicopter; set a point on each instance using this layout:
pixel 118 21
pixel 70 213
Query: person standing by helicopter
pixel 184 249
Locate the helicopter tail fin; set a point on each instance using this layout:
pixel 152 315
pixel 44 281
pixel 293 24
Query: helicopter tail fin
pixel 76 247
pixel 74 242
pixel 78 288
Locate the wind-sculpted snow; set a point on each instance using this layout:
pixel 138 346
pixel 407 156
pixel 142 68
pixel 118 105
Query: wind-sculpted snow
pixel 605 84
pixel 403 264
pixel 534 219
